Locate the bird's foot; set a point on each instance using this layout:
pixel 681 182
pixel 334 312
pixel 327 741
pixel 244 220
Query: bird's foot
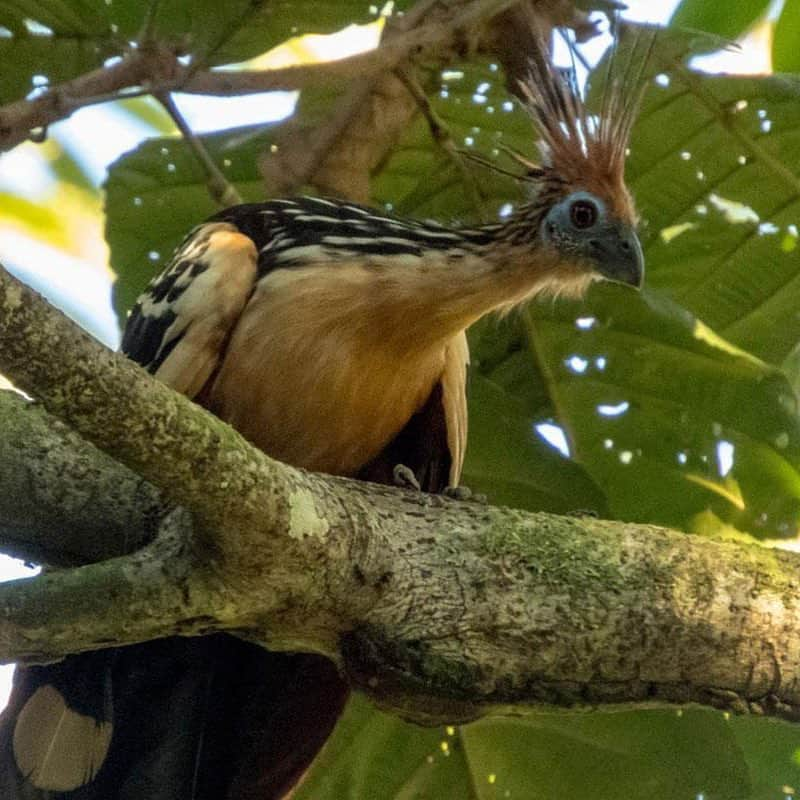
pixel 464 493
pixel 405 478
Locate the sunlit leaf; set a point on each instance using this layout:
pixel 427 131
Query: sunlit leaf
pixel 725 19
pixel 720 157
pixel 785 52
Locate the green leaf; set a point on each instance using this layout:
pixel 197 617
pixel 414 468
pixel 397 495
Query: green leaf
pixel 771 751
pixel 482 118
pixel 510 463
pixel 724 19
pixel 372 754
pixel 636 756
pixel 785 52
pixel 203 28
pixel 716 240
pixel 667 418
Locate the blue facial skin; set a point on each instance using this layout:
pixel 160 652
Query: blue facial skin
pixel 580 228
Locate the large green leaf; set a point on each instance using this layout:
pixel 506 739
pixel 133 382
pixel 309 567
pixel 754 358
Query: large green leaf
pixel 715 171
pixel 57 40
pixel 666 417
pixel 636 756
pixel 724 19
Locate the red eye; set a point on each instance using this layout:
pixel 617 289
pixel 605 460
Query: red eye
pixel 583 214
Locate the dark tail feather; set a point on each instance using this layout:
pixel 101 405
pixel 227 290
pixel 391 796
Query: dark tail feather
pixel 193 719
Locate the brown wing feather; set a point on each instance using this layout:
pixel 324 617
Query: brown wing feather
pixel 454 401
pixel 208 310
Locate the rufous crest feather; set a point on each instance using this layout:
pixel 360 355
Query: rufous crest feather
pixel 582 149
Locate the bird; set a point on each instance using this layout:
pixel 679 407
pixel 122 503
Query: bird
pixel 333 337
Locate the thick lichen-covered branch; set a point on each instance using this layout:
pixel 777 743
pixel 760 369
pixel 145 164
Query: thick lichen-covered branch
pixel 62 501
pixel 159 434
pixel 437 609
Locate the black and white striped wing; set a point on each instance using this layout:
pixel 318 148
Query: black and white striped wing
pixel 179 326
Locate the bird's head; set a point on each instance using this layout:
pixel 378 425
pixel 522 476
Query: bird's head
pixel 589 235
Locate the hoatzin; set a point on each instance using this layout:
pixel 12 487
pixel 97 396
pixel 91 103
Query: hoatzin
pixel 332 337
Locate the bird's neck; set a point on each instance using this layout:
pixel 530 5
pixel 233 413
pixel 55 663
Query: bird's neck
pixel 488 268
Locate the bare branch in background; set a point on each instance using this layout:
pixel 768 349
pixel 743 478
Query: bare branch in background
pixel 155 69
pixel 222 191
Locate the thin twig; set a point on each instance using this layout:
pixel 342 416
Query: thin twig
pixel 222 191
pixel 440 134
pixel 156 69
pixel 317 157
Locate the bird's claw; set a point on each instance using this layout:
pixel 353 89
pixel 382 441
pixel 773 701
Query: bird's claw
pixel 405 478
pixel 464 493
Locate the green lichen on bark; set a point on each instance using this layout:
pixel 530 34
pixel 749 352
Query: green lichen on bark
pixel 563 551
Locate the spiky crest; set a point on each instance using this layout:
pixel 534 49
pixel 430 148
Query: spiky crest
pixel 579 150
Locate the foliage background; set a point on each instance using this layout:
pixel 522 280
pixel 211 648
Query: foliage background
pixel 677 406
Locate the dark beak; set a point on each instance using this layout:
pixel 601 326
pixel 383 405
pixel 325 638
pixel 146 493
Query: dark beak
pixel 617 256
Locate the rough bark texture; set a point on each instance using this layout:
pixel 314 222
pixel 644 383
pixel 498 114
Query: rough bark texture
pixel 438 610
pixel 62 501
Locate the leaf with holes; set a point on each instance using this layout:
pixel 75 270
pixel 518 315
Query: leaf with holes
pixel 666 417
pixel 714 168
pixel 480 117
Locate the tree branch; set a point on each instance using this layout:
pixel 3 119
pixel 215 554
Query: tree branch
pixel 62 501
pixel 155 69
pixel 339 154
pixel 222 191
pixel 437 609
